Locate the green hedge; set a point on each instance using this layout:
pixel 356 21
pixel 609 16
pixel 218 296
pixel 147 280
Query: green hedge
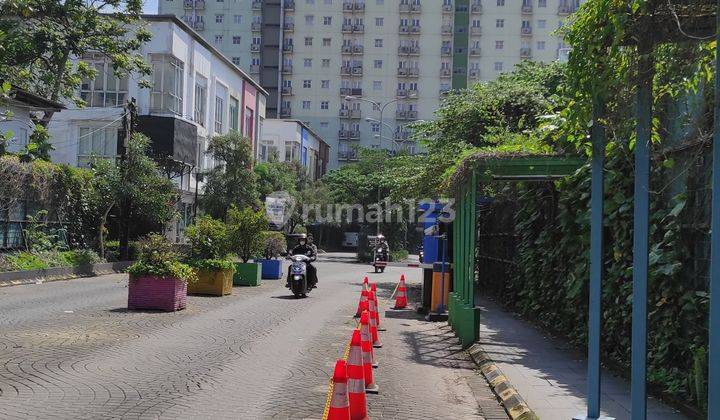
pixel 18 261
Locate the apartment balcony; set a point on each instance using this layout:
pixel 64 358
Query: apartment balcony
pixel 475 51
pixel 345 71
pixel 526 9
pixel 348 6
pixel 447 8
pixel 402 136
pixel 358 29
pixel 257 5
pixel 444 90
pixel 476 9
pixel 351 92
pixel 446 29
pixel 288 48
pixel 350 113
pixel 286 90
pixel 408 72
pixel 289 6
pixel 408 50
pixel 407 93
pixel 445 73
pixel 415 29
pixel 255 48
pixel 475 30
pixel 565 9
pixel 287 69
pixel 474 74
pixel 406 115
pixel 415 8
pixel 256 26
pixel 255 68
pixel 346 49
pixel 359 6
pixel 404 29
pixel 404 8
pixel 285 112
pixel 525 53
pixel 356 71
pixel 188 4
pixel 199 4
pixel 527 31
pixel 199 25
pixel 288 27
pixel 358 49
pixel 349 134
pixel 347 28
pixel 445 50
pixel 347 155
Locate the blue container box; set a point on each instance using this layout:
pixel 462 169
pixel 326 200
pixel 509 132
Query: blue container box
pixel 271 269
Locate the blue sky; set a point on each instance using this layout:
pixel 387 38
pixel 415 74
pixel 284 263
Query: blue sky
pixel 150 7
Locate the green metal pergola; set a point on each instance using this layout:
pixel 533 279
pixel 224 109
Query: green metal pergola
pixel 464 317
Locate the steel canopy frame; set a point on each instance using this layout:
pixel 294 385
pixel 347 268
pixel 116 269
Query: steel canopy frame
pixel 464 316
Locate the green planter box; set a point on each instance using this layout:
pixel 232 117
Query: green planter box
pixel 247 274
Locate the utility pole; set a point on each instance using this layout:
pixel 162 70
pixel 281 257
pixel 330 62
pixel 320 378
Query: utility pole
pixel 129 127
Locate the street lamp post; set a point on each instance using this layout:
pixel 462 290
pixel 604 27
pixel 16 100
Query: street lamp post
pixel 381 107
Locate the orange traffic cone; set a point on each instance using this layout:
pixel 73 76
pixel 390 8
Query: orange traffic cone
pixel 356 379
pixel 367 353
pixel 401 299
pixel 373 321
pixel 366 308
pixel 363 298
pixel 373 288
pixel 340 403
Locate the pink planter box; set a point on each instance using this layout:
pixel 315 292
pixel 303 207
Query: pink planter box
pixel 163 293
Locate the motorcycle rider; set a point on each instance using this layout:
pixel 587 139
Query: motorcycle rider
pixel 383 244
pixel 304 247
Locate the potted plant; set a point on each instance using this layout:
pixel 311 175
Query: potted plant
pixel 158 280
pixel 247 240
pixel 209 257
pixel 275 245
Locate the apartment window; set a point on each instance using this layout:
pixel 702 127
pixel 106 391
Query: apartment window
pixel 377 85
pixel 307 84
pixel 326 62
pixel 236 61
pixel 249 123
pixel 379 43
pixel 377 64
pixel 236 40
pixel 541 45
pixel 237 19
pixel 325 84
pixel 375 127
pixel 199 111
pixel 324 105
pixel 94 143
pixel 542 3
pixel 219 18
pixel 308 41
pixel 379 21
pixel 306 104
pixel 379 2
pixel 309 19
pixel 234 114
pixel 167 90
pixel 218 39
pixel 326 42
pixel 307 62
pixel 220 109
pixel 498 66
pixel 501 3
pixel 542 23
pixel 500 23
pixel 327 20
pixel 499 45
pixel 255 62
pixel 105 89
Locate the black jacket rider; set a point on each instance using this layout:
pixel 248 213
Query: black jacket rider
pixel 309 251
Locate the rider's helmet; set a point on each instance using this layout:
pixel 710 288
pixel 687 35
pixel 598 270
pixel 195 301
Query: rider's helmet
pixel 302 238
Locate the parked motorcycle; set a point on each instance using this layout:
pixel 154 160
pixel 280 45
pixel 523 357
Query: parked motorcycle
pixel 381 259
pixel 298 281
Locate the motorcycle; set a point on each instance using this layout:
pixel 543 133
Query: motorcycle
pixel 381 259
pixel 298 275
pixel 421 253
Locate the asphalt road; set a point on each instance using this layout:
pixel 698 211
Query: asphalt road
pixel 70 349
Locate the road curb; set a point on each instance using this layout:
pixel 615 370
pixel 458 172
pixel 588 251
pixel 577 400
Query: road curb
pixel 18 278
pixel 512 401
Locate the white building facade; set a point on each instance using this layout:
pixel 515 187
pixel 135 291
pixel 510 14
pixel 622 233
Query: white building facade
pixel 401 54
pixel 196 93
pixel 293 140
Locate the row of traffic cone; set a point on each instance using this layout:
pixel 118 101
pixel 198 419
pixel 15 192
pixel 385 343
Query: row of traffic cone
pixel 353 379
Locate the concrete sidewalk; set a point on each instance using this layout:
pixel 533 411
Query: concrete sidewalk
pixel 550 375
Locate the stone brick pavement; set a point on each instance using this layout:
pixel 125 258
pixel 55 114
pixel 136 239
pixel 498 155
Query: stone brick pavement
pixel 69 350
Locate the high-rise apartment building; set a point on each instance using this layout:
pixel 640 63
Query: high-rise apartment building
pixel 341 65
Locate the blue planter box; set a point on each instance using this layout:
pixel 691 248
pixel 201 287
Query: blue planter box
pixel 271 269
